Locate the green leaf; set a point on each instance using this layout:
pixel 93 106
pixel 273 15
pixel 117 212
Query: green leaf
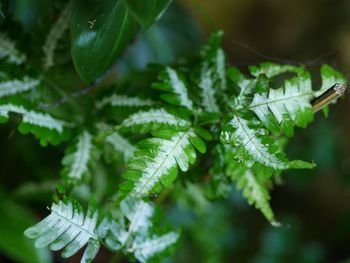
pixel 147 12
pixel 14 219
pixel 101 30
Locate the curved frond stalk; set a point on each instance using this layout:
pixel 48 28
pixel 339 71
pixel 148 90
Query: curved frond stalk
pixel 123 101
pixel 66 227
pixel 206 84
pixel 77 161
pixel 121 145
pixel 176 88
pixel 9 51
pixel 153 119
pixel 55 34
pixel 289 105
pixel 156 161
pixel 15 86
pixel 145 249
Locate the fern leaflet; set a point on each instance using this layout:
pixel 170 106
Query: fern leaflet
pixel 42 125
pixel 153 119
pixel 56 32
pixel 289 105
pixel 12 87
pixel 176 88
pixel 134 236
pixel 145 249
pixel 156 161
pixel 123 101
pixel 121 145
pixel 253 183
pixel 9 51
pixel 252 145
pixel 66 227
pixel 214 55
pixel 77 161
pixel 206 84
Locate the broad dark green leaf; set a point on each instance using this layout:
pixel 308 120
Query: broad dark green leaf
pixel 101 30
pixel 147 12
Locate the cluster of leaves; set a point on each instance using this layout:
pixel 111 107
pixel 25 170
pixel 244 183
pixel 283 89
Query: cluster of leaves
pixel 194 108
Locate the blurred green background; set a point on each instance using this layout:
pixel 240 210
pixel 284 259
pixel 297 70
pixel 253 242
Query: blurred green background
pixel 313 206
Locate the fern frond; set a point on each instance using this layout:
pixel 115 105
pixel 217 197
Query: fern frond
pixel 15 86
pixel 133 235
pixel 153 119
pixel 145 249
pixel 206 84
pixel 77 160
pixel 176 88
pixel 287 106
pixel 253 186
pixel 214 55
pixel 42 125
pixel 123 101
pixel 9 51
pixel 56 32
pixel 155 162
pixel 249 140
pixel 138 214
pixel 121 145
pixel 66 227
pixel 253 145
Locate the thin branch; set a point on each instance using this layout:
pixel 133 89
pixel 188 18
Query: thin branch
pixel 68 97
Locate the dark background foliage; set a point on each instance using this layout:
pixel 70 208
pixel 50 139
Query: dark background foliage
pixel 313 206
